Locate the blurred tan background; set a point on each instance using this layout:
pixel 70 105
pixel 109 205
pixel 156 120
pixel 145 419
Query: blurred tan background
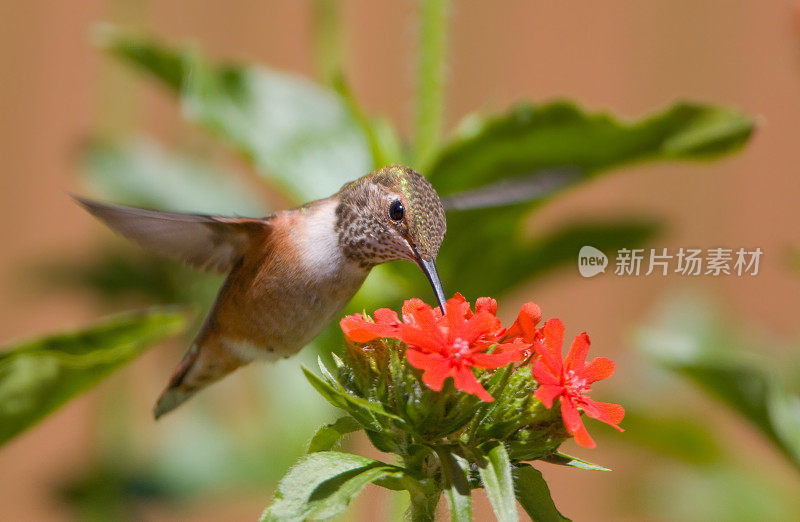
pixel 629 57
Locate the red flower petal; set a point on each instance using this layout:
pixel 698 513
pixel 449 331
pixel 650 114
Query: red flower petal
pixel 521 349
pixel 494 360
pixel 387 317
pixel 461 301
pixel 548 344
pixel 582 437
pixel 458 296
pixel 466 381
pixel 486 304
pixel 435 368
pixel 477 326
pixel 415 309
pixel 576 358
pixel 547 393
pixel 426 340
pixel 609 413
pixel 574 424
pixel 525 326
pixel 457 313
pixel 570 415
pixel 600 368
pixel 544 374
pixel 358 329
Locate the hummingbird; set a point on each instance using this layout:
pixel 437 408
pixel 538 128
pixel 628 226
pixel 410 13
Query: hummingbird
pixel 288 274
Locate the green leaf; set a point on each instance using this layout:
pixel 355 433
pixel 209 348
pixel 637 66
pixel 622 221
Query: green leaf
pixel 327 375
pixel 494 468
pixel 38 376
pixel 165 64
pixel 121 274
pixel 534 495
pixel 327 37
pixel 384 142
pixel 321 485
pixel 384 440
pixel 672 433
pixel 364 411
pixel 141 172
pixel 567 460
pixel 297 134
pixel 689 340
pixel 784 415
pixel 328 435
pixel 455 471
pixel 560 134
pixel 532 144
pixel 431 70
pixel 730 491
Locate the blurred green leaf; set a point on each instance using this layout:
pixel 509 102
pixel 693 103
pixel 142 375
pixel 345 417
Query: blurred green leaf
pixel 531 142
pixel 123 274
pixel 141 172
pixel 690 341
pixel 322 484
pixel 494 468
pixel 455 472
pixel 560 134
pixel 108 491
pixel 384 143
pixel 328 39
pixel 36 377
pixel 672 434
pixel 166 64
pixel 726 492
pixel 534 495
pixel 198 453
pixel 328 435
pixel 431 75
pixel 562 459
pixel 298 134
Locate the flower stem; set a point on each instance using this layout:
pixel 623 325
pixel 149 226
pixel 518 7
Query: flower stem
pixel 430 79
pixel 423 507
pixel 328 39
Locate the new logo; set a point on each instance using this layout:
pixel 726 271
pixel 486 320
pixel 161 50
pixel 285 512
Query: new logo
pixel 591 261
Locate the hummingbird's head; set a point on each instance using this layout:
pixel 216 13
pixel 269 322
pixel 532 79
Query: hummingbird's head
pixel 392 213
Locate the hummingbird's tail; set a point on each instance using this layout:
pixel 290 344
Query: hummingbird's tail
pixel 197 369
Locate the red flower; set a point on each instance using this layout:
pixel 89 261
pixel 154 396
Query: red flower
pixel 525 326
pixel 450 346
pixel 444 345
pixel 357 328
pixel 571 381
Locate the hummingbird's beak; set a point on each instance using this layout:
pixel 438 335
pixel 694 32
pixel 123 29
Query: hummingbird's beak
pixel 428 267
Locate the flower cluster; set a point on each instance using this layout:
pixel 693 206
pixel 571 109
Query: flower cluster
pixel 459 343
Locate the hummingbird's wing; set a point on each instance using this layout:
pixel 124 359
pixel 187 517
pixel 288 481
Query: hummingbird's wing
pixel 213 243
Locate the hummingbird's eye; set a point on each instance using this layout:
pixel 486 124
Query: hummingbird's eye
pixel 397 210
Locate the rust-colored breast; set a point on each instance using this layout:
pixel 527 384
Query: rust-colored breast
pixel 288 287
